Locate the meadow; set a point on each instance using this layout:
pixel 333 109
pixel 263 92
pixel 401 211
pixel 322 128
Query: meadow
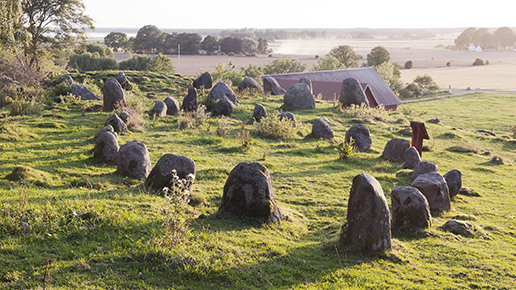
pixel 78 224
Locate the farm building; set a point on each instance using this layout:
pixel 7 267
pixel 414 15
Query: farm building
pixel 328 84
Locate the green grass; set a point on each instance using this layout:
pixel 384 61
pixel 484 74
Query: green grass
pixel 46 241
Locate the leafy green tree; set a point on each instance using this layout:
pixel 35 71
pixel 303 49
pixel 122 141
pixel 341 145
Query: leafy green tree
pixel 284 65
pixel 505 37
pixel 249 45
pixel 263 45
pixel 88 61
pixel 115 40
pixel 328 63
pixel 346 55
pixel 210 44
pixel 162 64
pixel 485 38
pixel 425 82
pixel 190 42
pixel 230 44
pixel 136 62
pixel 463 41
pixel 168 43
pixel 377 56
pixel 10 11
pixel 53 22
pixel 94 48
pixel 147 39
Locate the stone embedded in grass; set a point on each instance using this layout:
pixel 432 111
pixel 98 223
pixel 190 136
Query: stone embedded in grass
pixel 259 112
pixel 497 160
pixel 361 137
pixel 351 93
pixel 131 118
pixel 249 83
pixel 118 125
pixel 412 157
pixel 459 227
pixel 298 97
pixel 368 218
pixel 190 101
pixel 172 106
pixel 271 85
pixel 288 115
pixel 395 149
pixel 160 109
pixel 205 80
pixel 221 91
pixel 28 175
pixel 248 191
pixel 107 128
pixel 161 174
pixel 106 146
pixel 133 160
pixel 320 128
pixel 114 96
pixel 409 208
pixel 433 186
pixel 84 93
pixel 424 167
pixel 223 108
pixel 468 191
pixel 454 181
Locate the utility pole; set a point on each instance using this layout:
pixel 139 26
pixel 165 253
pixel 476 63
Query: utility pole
pixel 179 58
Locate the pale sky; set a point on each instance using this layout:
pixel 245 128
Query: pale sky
pixel 301 14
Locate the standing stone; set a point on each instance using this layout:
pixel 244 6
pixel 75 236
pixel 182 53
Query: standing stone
pixel 395 149
pixel 223 108
pixel 409 208
pixel 84 93
pixel 433 186
pixel 361 136
pixel 190 101
pixel 259 112
pixel 124 82
pixel 205 80
pixel 308 82
pixel 351 93
pixel 424 167
pixel 412 157
pixel 368 218
pixel 113 95
pixel 133 159
pixel 160 109
pixel 320 128
pixel 248 191
pixel 161 174
pixel 288 115
pixel 107 128
pixel 249 83
pixel 221 91
pixel 106 146
pixel 298 97
pixel 172 106
pixel 118 125
pixel 454 180
pixel 270 85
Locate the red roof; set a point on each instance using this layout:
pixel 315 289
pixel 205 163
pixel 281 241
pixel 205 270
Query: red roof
pixel 328 83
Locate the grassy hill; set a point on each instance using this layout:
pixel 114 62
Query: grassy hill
pixel 74 222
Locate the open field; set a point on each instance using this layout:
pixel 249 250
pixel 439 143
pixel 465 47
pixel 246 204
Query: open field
pixel 133 241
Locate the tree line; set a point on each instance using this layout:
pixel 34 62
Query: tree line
pixel 501 39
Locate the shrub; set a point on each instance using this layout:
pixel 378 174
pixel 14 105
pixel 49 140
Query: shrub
pixel 448 64
pixel 478 61
pixel 61 89
pixel 193 120
pixel 414 88
pixel 136 62
pixel 88 61
pixel 409 64
pixel 345 150
pixel 227 74
pixel 21 107
pixel 273 127
pixel 224 127
pixel 244 137
pixel 284 65
pixel 161 64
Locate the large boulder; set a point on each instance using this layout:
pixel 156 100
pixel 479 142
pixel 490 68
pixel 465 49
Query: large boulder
pixel 308 82
pixel 361 136
pixel 424 167
pixel 320 128
pixel 249 83
pixel 409 208
pixel 288 115
pixel 368 218
pixel 298 97
pixel 223 108
pixel 248 191
pixel 106 146
pixel 133 159
pixel 118 125
pixel 351 93
pixel 454 181
pixel 395 149
pixel 433 186
pixel 84 93
pixel 412 157
pixel 161 174
pixel 270 85
pixel 190 101
pixel 259 112
pixel 205 80
pixel 114 97
pixel 172 106
pixel 221 91
pixel 159 110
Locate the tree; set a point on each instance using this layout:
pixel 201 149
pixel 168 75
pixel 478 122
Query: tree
pixel 346 55
pixel 284 65
pixel 147 39
pixel 485 38
pixel 10 11
pixel 377 56
pixel 425 81
pixel 263 45
pixel 101 50
pixel 53 22
pixel 230 44
pixel 210 44
pixel 409 64
pixel 190 42
pixel 115 40
pixel 505 37
pixel 161 64
pixel 328 63
pixel 463 41
pixel 249 45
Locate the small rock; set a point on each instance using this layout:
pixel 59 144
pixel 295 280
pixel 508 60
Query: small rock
pixel 459 227
pixel 320 128
pixel 424 167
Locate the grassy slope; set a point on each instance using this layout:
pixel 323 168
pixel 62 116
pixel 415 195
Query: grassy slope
pixel 130 248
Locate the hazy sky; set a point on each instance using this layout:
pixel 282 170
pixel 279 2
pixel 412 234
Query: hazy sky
pixel 301 14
